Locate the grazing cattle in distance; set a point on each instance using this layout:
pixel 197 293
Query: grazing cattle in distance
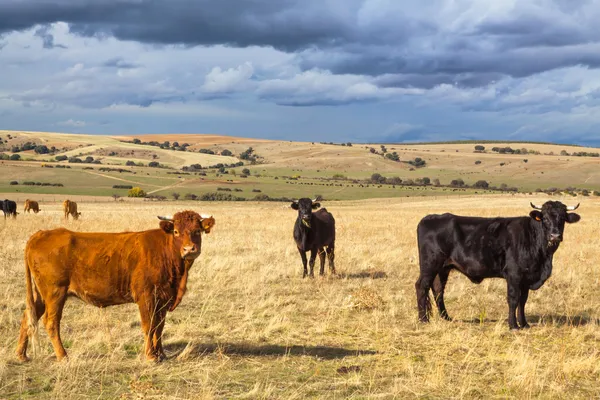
pixel 314 232
pixel 9 208
pixel 70 208
pixel 31 205
pixel 518 249
pixel 149 268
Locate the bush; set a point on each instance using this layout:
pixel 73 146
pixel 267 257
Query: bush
pixel 394 180
pixel 481 184
pixel 220 197
pixel 75 160
pixel 457 183
pixel 15 157
pixel 136 192
pixel 206 151
pixel 477 162
pixel 246 171
pixel 4 156
pixel 479 148
pixel 122 187
pixel 14 182
pixel 256 190
pixel 392 156
pixel 154 164
pixel 175 195
pixel 418 162
pixel 130 163
pixel 226 153
pixel 43 149
pixel 190 196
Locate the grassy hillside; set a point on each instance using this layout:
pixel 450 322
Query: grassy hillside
pixel 314 166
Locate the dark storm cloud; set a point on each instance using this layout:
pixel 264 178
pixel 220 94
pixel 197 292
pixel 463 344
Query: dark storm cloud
pixel 43 32
pixel 415 42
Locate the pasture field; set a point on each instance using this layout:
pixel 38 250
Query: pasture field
pixel 294 164
pixel 250 326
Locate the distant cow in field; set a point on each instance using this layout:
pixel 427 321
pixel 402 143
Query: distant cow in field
pixel 314 232
pixel 518 249
pixel 9 208
pixel 70 208
pixel 31 205
pixel 149 268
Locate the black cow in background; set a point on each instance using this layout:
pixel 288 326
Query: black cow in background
pixel 9 207
pixel 314 232
pixel 518 249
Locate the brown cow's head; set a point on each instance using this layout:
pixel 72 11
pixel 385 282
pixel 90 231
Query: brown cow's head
pixel 186 228
pixel 553 215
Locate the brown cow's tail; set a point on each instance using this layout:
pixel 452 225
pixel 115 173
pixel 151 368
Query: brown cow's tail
pixel 32 318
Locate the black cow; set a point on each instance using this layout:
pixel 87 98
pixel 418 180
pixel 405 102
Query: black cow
pixel 314 232
pixel 9 207
pixel 518 249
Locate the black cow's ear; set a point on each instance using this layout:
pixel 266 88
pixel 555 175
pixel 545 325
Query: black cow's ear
pixel 316 205
pixel 167 226
pixel 572 218
pixel 294 205
pixel 535 214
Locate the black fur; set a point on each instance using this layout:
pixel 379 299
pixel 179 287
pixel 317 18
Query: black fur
pixel 9 207
pixel 313 232
pixel 519 250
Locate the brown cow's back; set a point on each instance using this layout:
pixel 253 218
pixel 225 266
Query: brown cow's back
pixel 102 269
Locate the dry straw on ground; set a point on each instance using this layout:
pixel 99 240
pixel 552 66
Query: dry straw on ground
pixel 251 327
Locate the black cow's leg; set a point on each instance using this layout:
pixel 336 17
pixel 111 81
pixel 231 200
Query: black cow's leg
pixel 513 297
pixel 304 262
pixel 311 262
pixel 422 286
pixel 439 284
pixel 522 300
pixel 322 261
pixel 331 257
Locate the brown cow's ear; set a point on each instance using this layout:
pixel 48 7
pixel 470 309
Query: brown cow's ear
pixel 167 226
pixel 536 215
pixel 207 224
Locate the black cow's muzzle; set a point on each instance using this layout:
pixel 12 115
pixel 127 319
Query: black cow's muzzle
pixel 554 239
pixel 306 221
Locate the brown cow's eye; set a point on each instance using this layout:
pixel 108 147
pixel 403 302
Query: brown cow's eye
pixel 176 232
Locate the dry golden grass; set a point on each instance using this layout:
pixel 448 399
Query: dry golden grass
pixel 251 327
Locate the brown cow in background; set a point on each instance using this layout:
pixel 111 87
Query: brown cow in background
pixel 149 268
pixel 31 205
pixel 70 208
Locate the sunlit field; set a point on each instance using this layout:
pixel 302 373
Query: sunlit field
pixel 251 327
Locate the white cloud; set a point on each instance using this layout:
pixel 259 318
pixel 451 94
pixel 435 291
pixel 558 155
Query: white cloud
pixel 229 80
pixel 72 123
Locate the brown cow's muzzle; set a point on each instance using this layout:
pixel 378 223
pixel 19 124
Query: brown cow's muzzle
pixel 190 252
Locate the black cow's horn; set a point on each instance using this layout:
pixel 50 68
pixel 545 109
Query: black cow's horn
pixel 573 208
pixel 166 218
pixel 316 198
pixel 534 206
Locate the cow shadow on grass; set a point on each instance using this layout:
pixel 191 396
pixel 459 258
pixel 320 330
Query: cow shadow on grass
pixel 243 349
pixel 363 275
pixel 549 319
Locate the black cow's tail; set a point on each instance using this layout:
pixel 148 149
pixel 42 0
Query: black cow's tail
pixel 32 317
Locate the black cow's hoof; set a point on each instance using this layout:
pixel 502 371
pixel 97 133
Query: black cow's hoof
pixel 514 328
pixel 526 326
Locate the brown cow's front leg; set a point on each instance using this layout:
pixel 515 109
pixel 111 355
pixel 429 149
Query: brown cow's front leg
pixel 150 318
pixel 311 262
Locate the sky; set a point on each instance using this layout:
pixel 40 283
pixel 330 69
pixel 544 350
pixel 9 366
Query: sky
pixel 310 70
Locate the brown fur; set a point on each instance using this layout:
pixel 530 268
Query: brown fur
pixel 149 268
pixel 31 205
pixel 70 208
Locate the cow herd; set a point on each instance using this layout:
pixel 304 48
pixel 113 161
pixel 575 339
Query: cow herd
pixel 9 208
pixel 150 268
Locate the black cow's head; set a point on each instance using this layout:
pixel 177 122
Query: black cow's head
pixel 305 207
pixel 553 216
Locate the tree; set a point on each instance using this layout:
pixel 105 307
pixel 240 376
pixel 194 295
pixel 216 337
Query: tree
pixel 130 163
pixel 61 158
pixel 15 157
pixel 89 159
pixel 246 171
pixel 137 141
pixel 564 153
pixel 153 164
pixel 394 180
pixel 116 196
pixel 372 150
pixel 175 195
pixel 175 144
pixel 136 192
pixel 375 177
pixel 392 156
pixel 426 181
pixel 226 153
pixel 479 148
pixel 481 184
pixel 457 182
pixel 436 182
pixel 43 149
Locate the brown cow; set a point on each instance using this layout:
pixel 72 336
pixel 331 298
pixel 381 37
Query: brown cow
pixel 31 205
pixel 149 268
pixel 70 207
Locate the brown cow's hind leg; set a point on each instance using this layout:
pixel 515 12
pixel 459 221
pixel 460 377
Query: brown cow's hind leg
pixel 54 309
pixel 40 308
pixel 160 316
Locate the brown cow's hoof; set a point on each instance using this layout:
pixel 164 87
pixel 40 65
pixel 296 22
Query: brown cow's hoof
pixel 23 358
